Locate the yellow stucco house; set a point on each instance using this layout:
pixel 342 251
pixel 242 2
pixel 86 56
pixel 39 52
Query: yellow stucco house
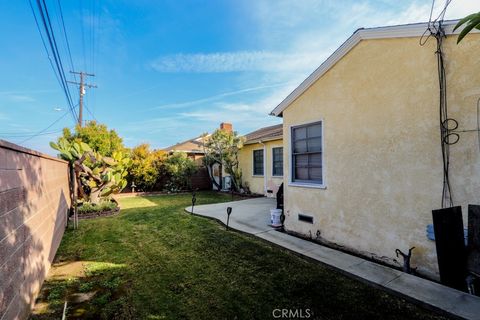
pixel 261 160
pixel 362 153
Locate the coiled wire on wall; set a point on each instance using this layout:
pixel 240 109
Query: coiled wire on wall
pixel 435 29
pixel 447 125
pixel 449 133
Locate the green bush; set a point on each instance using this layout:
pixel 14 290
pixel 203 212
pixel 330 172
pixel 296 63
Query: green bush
pixel 179 168
pixel 89 207
pixel 145 170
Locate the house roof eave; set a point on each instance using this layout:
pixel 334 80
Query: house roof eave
pixel 397 31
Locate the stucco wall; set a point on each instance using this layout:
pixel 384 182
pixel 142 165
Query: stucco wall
pixel 257 183
pixel 382 156
pixel 34 201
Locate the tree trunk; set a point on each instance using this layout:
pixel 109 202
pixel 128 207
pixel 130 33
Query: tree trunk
pixel 95 196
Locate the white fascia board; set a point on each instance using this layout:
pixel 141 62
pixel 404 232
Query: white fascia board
pixel 400 31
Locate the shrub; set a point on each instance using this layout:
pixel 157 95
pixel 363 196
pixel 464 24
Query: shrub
pixel 89 207
pixel 179 167
pixel 145 169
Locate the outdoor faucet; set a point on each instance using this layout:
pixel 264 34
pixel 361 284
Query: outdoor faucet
pixel 406 260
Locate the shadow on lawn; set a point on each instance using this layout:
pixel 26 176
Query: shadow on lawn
pixel 92 290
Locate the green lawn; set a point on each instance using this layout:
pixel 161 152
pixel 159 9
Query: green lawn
pixel 154 261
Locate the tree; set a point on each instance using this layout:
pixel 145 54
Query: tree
pixel 97 136
pixel 471 22
pixel 179 168
pixel 146 166
pixel 222 148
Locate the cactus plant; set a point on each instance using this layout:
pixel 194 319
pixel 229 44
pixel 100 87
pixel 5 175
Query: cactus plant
pixel 97 176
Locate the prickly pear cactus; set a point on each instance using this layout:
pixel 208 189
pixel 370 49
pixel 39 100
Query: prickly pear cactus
pixel 99 176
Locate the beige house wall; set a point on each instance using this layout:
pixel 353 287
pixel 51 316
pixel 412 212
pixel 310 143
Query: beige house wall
pixel 382 159
pixel 260 184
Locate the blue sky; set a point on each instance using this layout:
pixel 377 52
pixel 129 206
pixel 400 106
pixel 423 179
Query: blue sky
pixel 170 70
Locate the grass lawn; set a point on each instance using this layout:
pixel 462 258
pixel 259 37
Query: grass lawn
pixel 154 261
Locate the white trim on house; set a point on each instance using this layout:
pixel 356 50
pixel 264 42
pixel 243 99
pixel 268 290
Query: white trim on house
pixel 302 184
pixel 253 163
pixel 399 31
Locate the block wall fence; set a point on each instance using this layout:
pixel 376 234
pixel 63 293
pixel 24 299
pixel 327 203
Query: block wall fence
pixel 34 201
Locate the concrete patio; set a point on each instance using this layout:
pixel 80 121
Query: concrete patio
pixel 253 216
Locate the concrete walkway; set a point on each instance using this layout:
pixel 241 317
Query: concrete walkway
pixel 253 216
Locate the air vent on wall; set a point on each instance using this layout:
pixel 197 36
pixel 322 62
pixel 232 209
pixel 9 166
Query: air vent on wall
pixel 305 218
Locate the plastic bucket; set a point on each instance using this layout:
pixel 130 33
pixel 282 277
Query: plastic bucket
pixel 275 216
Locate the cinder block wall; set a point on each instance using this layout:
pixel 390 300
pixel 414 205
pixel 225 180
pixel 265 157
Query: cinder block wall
pixel 34 200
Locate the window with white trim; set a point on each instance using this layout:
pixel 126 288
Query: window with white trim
pixel 258 162
pixel 277 162
pixel 307 153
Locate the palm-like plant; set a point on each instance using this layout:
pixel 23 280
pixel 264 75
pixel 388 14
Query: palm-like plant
pixel 471 22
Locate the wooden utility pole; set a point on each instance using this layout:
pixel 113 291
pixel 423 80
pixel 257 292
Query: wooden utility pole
pixel 82 86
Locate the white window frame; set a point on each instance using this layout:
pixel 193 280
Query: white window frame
pixel 253 162
pixel 273 164
pixel 304 184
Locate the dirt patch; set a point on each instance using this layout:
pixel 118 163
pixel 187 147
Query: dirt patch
pixel 67 270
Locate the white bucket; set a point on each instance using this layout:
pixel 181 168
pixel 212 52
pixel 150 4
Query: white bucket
pixel 275 216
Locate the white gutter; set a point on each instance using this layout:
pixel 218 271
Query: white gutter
pixel 264 167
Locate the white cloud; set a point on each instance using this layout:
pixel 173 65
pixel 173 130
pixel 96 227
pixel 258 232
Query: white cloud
pixel 217 97
pixel 20 98
pixel 263 61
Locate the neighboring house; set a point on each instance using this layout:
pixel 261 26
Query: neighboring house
pixel 261 160
pixel 363 164
pixel 192 147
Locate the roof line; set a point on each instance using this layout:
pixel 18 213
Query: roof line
pixel 397 31
pixel 189 140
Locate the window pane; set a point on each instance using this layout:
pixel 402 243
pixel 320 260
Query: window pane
pixel 278 169
pixel 299 133
pixel 315 160
pixel 277 161
pixel 300 146
pixel 301 174
pixel 258 162
pixel 314 144
pixel 314 130
pixel 301 160
pixel 315 174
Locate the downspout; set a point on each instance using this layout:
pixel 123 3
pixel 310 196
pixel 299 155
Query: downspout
pixel 264 167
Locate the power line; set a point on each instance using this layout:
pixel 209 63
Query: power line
pixel 23 135
pixel 41 132
pixel 55 50
pixel 66 37
pixel 90 112
pixel 45 18
pixel 43 42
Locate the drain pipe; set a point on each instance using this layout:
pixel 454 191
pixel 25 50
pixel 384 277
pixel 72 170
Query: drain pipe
pixel 264 168
pixel 406 260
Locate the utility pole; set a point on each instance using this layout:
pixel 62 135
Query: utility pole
pixel 82 86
